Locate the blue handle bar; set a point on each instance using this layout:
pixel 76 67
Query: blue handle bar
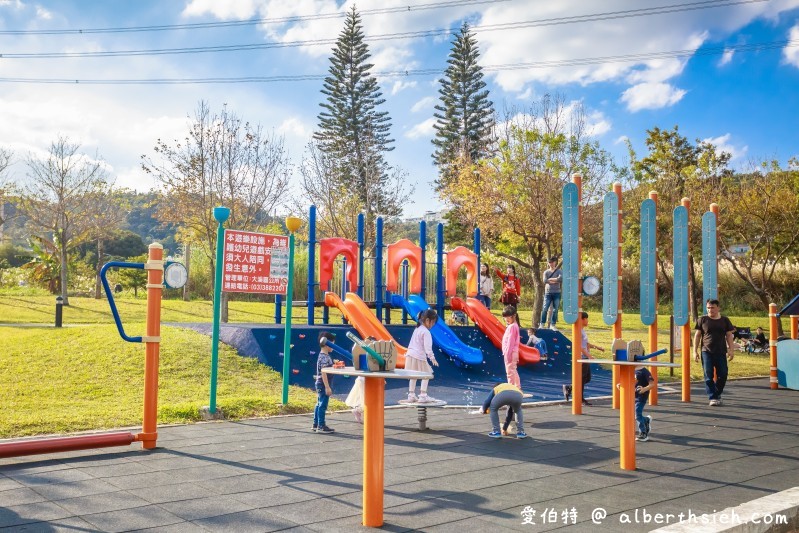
pixel 338 349
pixel 651 355
pixel 110 295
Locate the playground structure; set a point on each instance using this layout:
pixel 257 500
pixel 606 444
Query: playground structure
pixel 149 433
pixel 625 359
pixel 405 287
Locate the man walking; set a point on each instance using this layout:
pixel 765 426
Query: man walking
pixel 714 341
pixel 553 277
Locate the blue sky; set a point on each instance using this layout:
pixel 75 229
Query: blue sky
pixel 746 102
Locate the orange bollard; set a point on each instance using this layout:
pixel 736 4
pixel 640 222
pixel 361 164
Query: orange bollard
pixel 577 327
pixel 772 343
pixel 373 458
pixel 152 340
pixel 627 416
pixel 653 328
pixel 686 335
pixel 617 324
pixel 795 327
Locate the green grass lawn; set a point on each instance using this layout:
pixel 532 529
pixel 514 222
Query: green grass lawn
pixel 82 378
pixel 85 377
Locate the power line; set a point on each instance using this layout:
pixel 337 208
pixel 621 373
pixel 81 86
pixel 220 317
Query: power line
pixel 253 22
pixel 754 47
pixel 674 8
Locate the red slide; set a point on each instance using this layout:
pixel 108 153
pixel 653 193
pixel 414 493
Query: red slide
pixel 492 327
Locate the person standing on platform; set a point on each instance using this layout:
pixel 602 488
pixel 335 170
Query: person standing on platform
pixel 715 343
pixel 420 349
pixel 486 286
pixel 553 279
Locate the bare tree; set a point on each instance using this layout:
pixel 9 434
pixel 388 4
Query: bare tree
pixel 57 196
pixel 109 211
pixel 222 161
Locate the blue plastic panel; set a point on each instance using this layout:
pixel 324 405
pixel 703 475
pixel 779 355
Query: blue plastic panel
pixel 710 267
pixel 788 364
pixel 610 259
pixel 680 266
pixel 571 244
pixel 648 262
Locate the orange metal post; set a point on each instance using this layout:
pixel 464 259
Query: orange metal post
pixel 617 324
pixel 627 416
pixel 577 327
pixel 155 274
pixel 686 336
pixel 772 336
pixel 714 208
pixel 653 328
pixel 795 327
pixel 373 442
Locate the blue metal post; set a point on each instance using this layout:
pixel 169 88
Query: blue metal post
pixel 477 252
pixel 423 246
pixel 360 255
pixel 344 287
pixel 278 308
pixel 441 291
pixel 311 263
pixel 379 268
pixel 404 289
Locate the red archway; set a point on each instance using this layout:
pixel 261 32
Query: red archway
pixel 396 254
pixel 331 248
pixel 457 258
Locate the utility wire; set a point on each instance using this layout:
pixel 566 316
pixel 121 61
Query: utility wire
pixel 675 8
pixel 253 22
pixel 754 47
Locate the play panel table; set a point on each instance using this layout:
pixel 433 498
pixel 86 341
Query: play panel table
pixel 627 404
pixel 373 435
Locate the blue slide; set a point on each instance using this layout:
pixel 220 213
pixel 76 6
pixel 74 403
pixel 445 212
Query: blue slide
pixel 443 336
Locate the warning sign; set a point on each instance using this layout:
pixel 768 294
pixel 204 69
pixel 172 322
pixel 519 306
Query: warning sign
pixel 255 262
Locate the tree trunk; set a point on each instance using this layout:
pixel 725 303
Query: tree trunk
pixel 538 296
pixel 187 261
pixel 97 283
pixel 693 306
pixel 62 246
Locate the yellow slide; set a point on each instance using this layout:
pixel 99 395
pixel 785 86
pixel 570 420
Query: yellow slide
pixel 364 321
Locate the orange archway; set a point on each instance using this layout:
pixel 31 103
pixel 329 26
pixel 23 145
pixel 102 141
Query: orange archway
pixel 396 254
pixel 331 248
pixel 457 258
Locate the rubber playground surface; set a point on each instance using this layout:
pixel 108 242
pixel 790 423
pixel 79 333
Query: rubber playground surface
pixel 276 475
pixel 453 383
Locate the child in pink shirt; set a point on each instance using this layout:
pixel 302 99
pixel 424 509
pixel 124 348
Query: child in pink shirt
pixel 510 345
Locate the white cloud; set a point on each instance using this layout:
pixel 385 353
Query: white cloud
pixel 651 96
pixel 422 130
pixel 726 57
pixel 43 14
pixel 238 9
pixel 791 53
pixel 425 103
pixel 399 86
pixel 526 95
pixel 621 139
pixel 294 126
pixel 722 144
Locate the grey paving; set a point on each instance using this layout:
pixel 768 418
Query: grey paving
pixel 275 475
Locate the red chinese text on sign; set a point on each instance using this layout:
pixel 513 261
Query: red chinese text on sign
pixel 255 262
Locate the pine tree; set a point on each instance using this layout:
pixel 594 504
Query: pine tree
pixel 352 130
pixel 465 115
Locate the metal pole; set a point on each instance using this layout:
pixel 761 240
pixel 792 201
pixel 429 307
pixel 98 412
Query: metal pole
pixel 477 253
pixel 577 327
pixel 616 375
pixel 772 343
pixel 360 254
pixel 59 311
pixel 311 263
pixel 423 246
pixel 379 269
pixel 292 224
pixel 441 291
pixel 221 214
pixel 686 330
pixel 653 327
pixel 152 340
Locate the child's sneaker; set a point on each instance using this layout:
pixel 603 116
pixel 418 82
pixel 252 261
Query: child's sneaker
pixel 424 398
pixel 643 437
pixel 412 398
pixel 521 435
pixel 648 424
pixel 552 327
pixel 567 392
pixel 495 435
pixel 324 429
pixel 314 427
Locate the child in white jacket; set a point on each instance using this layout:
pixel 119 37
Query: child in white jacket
pixel 420 349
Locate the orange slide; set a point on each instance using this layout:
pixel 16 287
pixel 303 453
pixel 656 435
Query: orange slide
pixel 491 326
pixel 364 321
